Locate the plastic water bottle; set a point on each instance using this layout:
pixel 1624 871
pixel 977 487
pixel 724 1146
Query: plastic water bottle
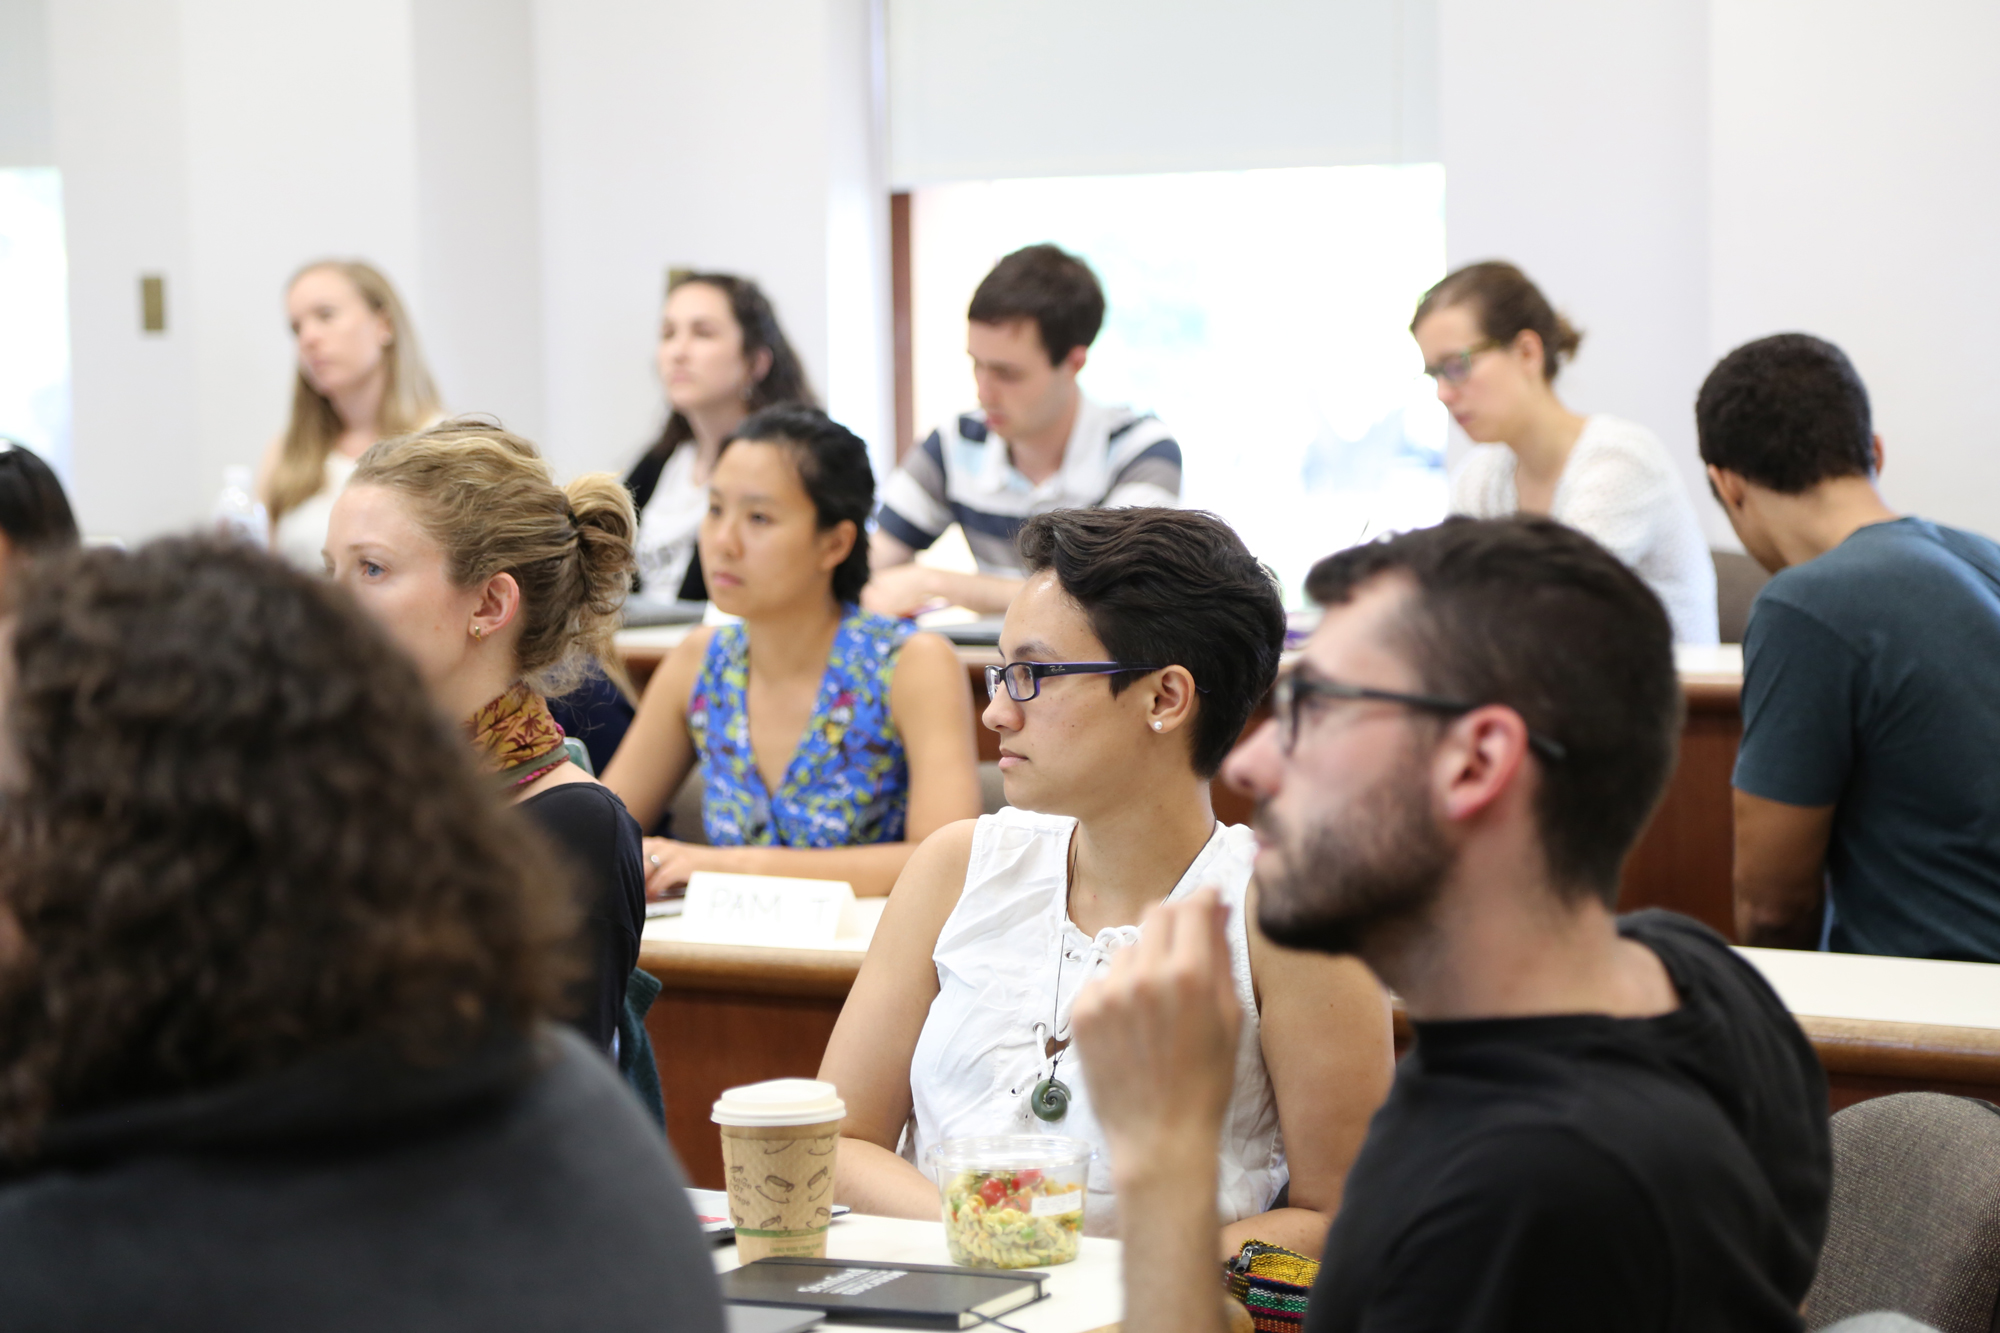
pixel 237 510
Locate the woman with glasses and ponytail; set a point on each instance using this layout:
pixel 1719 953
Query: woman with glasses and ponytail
pixel 831 740
pixel 1136 652
pixel 1494 344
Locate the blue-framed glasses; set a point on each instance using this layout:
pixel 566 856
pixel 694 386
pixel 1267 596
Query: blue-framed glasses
pixel 1024 679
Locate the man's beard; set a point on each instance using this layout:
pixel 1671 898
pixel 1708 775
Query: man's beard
pixel 1372 868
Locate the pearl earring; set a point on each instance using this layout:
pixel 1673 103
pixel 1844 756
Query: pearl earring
pixel 1159 726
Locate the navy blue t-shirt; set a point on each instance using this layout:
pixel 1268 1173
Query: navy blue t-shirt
pixel 1871 683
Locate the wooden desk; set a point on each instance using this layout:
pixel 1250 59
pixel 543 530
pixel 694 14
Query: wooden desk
pixel 732 1015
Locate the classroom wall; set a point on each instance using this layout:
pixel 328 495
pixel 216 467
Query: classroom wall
pixel 1680 176
pixel 736 137
pixel 1576 143
pixel 1856 197
pixel 522 169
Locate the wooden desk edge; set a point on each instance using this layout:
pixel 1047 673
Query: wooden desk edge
pixel 737 968
pixel 1903 1050
pixel 1922 1051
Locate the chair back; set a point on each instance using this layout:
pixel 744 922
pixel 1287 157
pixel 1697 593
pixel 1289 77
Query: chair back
pixel 1738 580
pixel 1915 1220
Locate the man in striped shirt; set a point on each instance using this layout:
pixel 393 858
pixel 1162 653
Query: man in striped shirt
pixel 1036 444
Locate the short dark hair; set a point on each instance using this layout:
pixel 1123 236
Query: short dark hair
pixel 1172 587
pixel 1532 614
pixel 34 512
pixel 1508 305
pixel 239 834
pixel 1786 412
pixel 833 467
pixel 1048 285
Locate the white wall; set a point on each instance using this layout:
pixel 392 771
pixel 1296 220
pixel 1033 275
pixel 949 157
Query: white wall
pixel 115 91
pixel 1053 88
pixel 525 171
pixel 300 144
pixel 1856 197
pixel 25 138
pixel 696 135
pixel 478 189
pixel 1576 142
pixel 1680 176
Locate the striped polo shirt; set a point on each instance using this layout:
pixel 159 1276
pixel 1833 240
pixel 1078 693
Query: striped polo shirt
pixel 963 474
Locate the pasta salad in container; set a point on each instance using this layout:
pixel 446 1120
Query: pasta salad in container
pixel 1012 1201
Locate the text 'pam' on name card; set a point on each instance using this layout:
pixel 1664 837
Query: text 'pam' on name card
pixel 765 909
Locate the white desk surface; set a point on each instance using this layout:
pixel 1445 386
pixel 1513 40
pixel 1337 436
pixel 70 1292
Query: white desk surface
pixel 1882 990
pixel 867 912
pixel 1083 1296
pixel 655 638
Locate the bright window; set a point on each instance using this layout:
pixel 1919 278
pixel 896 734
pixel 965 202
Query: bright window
pixel 1263 315
pixel 34 313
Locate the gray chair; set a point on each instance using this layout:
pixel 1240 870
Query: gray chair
pixel 686 808
pixel 1738 580
pixel 1915 1223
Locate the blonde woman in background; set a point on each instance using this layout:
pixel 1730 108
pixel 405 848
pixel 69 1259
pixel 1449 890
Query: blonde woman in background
pixel 499 584
pixel 360 379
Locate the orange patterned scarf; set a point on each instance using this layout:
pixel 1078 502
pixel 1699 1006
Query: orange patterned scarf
pixel 517 737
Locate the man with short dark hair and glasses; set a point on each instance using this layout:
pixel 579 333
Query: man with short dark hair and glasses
pixel 1605 1122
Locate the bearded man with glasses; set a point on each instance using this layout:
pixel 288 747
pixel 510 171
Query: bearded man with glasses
pixel 1605 1122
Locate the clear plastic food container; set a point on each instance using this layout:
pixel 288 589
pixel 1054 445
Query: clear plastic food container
pixel 1013 1201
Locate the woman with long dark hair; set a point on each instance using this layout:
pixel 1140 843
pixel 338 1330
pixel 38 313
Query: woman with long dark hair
pixel 721 357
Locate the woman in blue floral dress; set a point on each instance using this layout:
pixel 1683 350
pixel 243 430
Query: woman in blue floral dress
pixel 832 740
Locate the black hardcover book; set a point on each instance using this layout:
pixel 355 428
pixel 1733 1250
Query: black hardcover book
pixel 925 1295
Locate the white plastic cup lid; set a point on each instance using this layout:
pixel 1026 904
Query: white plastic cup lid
pixel 780 1101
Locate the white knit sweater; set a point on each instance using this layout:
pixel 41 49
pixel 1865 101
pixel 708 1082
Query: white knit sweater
pixel 1620 488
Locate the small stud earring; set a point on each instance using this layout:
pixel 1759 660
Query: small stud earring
pixel 1159 726
pixel 478 631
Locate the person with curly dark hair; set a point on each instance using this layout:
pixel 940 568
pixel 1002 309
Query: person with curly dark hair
pixel 275 973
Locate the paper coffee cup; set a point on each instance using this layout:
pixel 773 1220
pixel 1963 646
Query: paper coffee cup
pixel 778 1148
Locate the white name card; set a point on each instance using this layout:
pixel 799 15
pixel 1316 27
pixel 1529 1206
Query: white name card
pixel 766 910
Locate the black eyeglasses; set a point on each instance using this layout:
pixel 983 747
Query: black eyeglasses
pixel 1289 696
pixel 1024 679
pixel 1457 368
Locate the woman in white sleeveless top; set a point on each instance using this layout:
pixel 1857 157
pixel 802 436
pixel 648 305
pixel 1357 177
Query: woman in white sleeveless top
pixel 359 379
pixel 1495 344
pixel 1140 645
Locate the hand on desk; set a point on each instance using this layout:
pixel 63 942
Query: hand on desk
pixel 901 590
pixel 668 865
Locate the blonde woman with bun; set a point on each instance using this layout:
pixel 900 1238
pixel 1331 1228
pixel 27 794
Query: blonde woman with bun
pixel 360 378
pixel 499 584
pixel 1494 345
